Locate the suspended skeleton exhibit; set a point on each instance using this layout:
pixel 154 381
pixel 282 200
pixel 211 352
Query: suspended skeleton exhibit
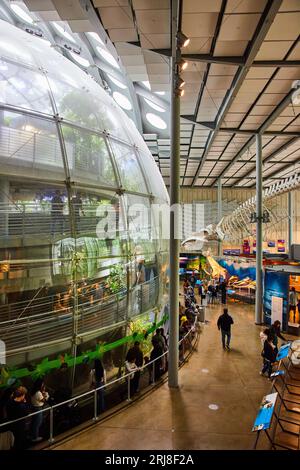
pixel 239 224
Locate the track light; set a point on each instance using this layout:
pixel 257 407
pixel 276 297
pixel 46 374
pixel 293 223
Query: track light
pixel 179 82
pixel 182 64
pixel 182 39
pixel 179 92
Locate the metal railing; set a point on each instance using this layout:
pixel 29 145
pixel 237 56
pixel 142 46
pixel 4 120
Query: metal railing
pixel 185 345
pixel 40 329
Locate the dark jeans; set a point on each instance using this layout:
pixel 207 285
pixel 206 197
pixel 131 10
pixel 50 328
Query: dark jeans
pixel 134 383
pixel 267 367
pixel 100 398
pixel 224 335
pixel 36 422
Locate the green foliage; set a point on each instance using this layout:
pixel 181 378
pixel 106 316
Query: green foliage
pixel 117 278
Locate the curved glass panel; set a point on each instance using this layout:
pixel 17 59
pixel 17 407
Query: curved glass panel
pixel 30 147
pixel 88 157
pixel 128 167
pixel 72 250
pixel 24 88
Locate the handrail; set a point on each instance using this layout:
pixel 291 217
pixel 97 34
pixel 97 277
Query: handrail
pixel 101 302
pixel 93 391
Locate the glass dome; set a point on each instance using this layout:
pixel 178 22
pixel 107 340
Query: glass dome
pixel 79 264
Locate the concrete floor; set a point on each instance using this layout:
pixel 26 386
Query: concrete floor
pixel 181 419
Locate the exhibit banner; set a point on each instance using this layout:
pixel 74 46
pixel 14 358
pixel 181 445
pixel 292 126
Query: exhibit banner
pixel 277 303
pixel 265 413
pixel 276 284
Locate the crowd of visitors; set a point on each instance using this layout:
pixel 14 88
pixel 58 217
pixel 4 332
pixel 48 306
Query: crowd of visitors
pixel 210 292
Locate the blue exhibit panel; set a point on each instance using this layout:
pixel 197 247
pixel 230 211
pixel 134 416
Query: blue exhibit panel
pixel 283 351
pixel 235 269
pixel 276 285
pixel 265 413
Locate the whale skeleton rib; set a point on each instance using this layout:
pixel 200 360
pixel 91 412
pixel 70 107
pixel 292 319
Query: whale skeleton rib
pixel 235 226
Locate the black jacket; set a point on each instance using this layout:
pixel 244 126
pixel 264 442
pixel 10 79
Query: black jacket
pixel 224 322
pixel 269 352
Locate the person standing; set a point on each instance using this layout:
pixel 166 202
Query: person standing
pixel 155 355
pixel 193 280
pixel 135 356
pixel 17 407
pixel 276 333
pixel 224 324
pixel 77 209
pixel 223 292
pixel 293 302
pixel 57 207
pixel 39 397
pixel 98 380
pixel 269 354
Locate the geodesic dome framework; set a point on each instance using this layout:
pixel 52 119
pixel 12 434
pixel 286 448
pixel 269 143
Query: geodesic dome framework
pixel 68 156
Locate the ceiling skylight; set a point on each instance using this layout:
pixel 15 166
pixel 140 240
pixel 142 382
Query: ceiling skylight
pixel 63 32
pixel 146 83
pixel 21 13
pixel 96 37
pixel 155 106
pixel 80 60
pixel 117 82
pixel 156 121
pixel 108 57
pixel 122 100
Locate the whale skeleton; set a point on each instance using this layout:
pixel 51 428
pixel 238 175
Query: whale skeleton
pixel 237 225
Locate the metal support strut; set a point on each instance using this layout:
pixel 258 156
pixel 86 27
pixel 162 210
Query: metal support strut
pixel 174 202
pixel 259 227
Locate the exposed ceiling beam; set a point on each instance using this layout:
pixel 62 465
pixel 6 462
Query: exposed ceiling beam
pixel 255 131
pixel 272 155
pixel 280 170
pixel 210 125
pixel 230 60
pixel 234 60
pixel 261 31
pixel 262 129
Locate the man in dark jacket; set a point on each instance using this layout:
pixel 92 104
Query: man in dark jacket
pixel 224 324
pixel 135 355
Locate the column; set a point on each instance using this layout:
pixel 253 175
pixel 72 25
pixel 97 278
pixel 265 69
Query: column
pixel 259 221
pixel 174 200
pixel 4 207
pixel 220 211
pixel 290 220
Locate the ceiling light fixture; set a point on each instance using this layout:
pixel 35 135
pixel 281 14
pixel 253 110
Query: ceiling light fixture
pixel 182 65
pixel 182 39
pixel 180 82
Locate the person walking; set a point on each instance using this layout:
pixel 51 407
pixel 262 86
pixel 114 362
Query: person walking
pixel 269 354
pixel 224 324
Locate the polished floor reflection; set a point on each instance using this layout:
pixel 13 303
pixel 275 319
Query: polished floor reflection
pixel 185 418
